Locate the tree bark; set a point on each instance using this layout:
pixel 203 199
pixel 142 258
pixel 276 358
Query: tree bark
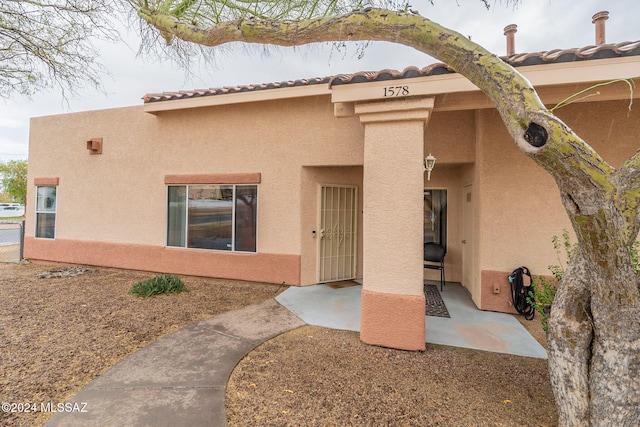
pixel 594 329
pixel 569 345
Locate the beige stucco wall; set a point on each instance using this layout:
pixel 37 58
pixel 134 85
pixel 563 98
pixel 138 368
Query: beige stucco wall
pixel 98 193
pixel 120 195
pixel 450 137
pixel 519 205
pixel 612 128
pixel 520 208
pixel 274 138
pixel 296 145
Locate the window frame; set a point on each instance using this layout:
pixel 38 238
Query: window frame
pixel 234 200
pixel 39 211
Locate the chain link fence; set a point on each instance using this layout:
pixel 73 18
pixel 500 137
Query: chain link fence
pixel 11 241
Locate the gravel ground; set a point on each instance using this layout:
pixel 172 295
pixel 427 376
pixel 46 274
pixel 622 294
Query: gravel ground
pixel 319 377
pixel 59 333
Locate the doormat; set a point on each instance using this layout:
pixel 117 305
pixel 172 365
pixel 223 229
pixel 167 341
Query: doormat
pixel 342 284
pixel 435 305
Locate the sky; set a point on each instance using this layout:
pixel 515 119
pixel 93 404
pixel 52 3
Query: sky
pixel 542 25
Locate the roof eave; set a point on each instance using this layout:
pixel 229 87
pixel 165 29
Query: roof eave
pixel 237 98
pixel 540 75
pixel 592 71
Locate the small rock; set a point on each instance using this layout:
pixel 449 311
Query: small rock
pixel 64 272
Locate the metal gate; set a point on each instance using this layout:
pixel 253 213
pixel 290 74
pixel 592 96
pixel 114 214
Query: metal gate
pixel 338 228
pixel 11 241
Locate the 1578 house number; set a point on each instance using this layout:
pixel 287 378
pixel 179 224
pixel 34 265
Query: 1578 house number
pixel 394 91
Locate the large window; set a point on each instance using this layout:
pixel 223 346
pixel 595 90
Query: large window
pixel 213 216
pixel 46 212
pixel 435 217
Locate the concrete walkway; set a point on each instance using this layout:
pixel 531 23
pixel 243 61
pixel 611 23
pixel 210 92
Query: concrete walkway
pixel 181 379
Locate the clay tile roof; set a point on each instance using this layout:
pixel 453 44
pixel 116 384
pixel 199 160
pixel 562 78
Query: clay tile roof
pixel 578 54
pixel 407 73
pixel 185 94
pixel 516 60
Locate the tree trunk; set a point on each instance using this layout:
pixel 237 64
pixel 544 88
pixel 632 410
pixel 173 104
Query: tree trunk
pixel 594 329
pixel 569 344
pixel 593 349
pixel 615 361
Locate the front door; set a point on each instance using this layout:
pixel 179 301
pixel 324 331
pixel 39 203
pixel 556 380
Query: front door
pixel 338 227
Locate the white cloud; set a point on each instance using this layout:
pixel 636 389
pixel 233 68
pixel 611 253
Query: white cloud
pixel 12 150
pixel 10 121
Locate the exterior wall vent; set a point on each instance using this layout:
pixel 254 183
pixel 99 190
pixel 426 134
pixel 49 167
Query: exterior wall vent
pixel 94 145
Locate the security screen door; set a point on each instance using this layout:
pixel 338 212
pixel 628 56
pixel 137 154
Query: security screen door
pixel 338 227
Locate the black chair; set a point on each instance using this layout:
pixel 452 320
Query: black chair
pixel 434 259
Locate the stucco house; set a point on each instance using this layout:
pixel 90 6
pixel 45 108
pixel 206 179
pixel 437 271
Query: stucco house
pixel 318 180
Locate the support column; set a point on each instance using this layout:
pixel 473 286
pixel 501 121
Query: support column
pixel 393 302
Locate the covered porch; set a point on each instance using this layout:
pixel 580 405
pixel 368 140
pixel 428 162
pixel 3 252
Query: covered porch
pixel 338 306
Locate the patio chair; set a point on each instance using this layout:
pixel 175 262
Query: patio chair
pixel 434 259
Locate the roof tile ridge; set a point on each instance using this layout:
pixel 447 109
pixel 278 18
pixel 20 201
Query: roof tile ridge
pixel 528 58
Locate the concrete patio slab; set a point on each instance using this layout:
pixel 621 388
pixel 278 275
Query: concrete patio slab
pixel 468 327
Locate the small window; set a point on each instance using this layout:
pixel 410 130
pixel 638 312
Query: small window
pixel 435 217
pixel 213 216
pixel 46 212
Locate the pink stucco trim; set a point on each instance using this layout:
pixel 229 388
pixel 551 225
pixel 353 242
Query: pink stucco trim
pixel 255 267
pixel 393 320
pixel 51 180
pixel 490 300
pixel 215 178
pixel 502 301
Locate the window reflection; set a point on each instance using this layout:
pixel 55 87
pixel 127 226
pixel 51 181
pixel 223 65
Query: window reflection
pixel 46 212
pixel 213 216
pixel 435 216
pixel 210 217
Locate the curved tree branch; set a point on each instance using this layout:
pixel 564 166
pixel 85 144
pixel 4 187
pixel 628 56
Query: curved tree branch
pixel 535 130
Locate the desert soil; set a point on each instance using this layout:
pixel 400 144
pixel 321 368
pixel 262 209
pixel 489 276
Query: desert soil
pixel 59 333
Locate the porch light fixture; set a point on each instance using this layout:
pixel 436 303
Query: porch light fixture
pixel 429 163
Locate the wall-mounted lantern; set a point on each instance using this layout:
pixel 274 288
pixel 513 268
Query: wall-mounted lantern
pixel 429 163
